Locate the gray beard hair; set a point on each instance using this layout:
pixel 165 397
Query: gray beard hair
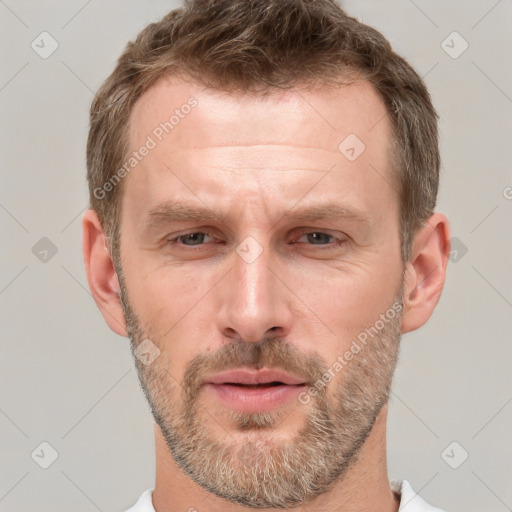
pixel 254 470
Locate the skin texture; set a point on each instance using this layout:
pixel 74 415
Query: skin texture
pixel 254 162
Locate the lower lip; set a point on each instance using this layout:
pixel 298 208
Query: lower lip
pixel 254 399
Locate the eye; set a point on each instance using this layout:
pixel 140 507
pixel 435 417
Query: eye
pixel 199 238
pixel 190 239
pixel 317 238
pixel 321 238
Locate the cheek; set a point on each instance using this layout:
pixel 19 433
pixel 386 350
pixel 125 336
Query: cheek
pixel 161 292
pixel 348 302
pixel 170 303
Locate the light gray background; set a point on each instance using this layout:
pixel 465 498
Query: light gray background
pixel 69 381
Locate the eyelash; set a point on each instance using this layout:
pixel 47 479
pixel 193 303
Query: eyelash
pixel 337 242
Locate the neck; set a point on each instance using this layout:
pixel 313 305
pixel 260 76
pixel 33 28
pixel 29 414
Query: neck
pixel 365 485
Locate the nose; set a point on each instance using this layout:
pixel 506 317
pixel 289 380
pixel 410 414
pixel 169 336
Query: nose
pixel 254 300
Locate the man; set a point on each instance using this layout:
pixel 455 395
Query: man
pixel 263 177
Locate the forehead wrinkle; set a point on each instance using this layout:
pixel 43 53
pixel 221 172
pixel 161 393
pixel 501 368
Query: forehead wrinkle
pixel 293 147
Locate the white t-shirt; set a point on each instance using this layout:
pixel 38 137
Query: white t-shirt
pixel 409 500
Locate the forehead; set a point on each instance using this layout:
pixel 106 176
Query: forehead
pixel 218 146
pixel 317 116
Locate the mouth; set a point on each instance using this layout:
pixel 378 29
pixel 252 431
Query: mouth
pixel 263 377
pixel 254 391
pixel 255 386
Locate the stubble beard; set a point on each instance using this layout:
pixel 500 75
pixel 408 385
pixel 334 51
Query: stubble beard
pixel 251 468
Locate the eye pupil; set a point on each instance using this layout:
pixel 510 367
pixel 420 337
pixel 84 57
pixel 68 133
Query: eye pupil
pixel 198 238
pixel 319 237
pixel 194 237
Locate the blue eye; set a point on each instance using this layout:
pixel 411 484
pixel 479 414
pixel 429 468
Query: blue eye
pixel 199 238
pixel 318 238
pixel 196 238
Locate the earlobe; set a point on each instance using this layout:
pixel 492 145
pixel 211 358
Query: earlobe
pixel 426 272
pixel 101 274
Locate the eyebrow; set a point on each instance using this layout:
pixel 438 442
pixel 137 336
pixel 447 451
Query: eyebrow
pixel 175 211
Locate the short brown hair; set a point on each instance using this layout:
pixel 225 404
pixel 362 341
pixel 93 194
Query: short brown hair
pixel 260 45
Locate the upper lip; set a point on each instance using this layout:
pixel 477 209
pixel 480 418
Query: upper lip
pixel 264 376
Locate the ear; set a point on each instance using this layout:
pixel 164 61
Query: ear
pixel 425 272
pixel 101 273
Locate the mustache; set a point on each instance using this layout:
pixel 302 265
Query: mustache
pixel 270 352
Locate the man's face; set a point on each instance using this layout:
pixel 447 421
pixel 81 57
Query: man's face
pixel 294 265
